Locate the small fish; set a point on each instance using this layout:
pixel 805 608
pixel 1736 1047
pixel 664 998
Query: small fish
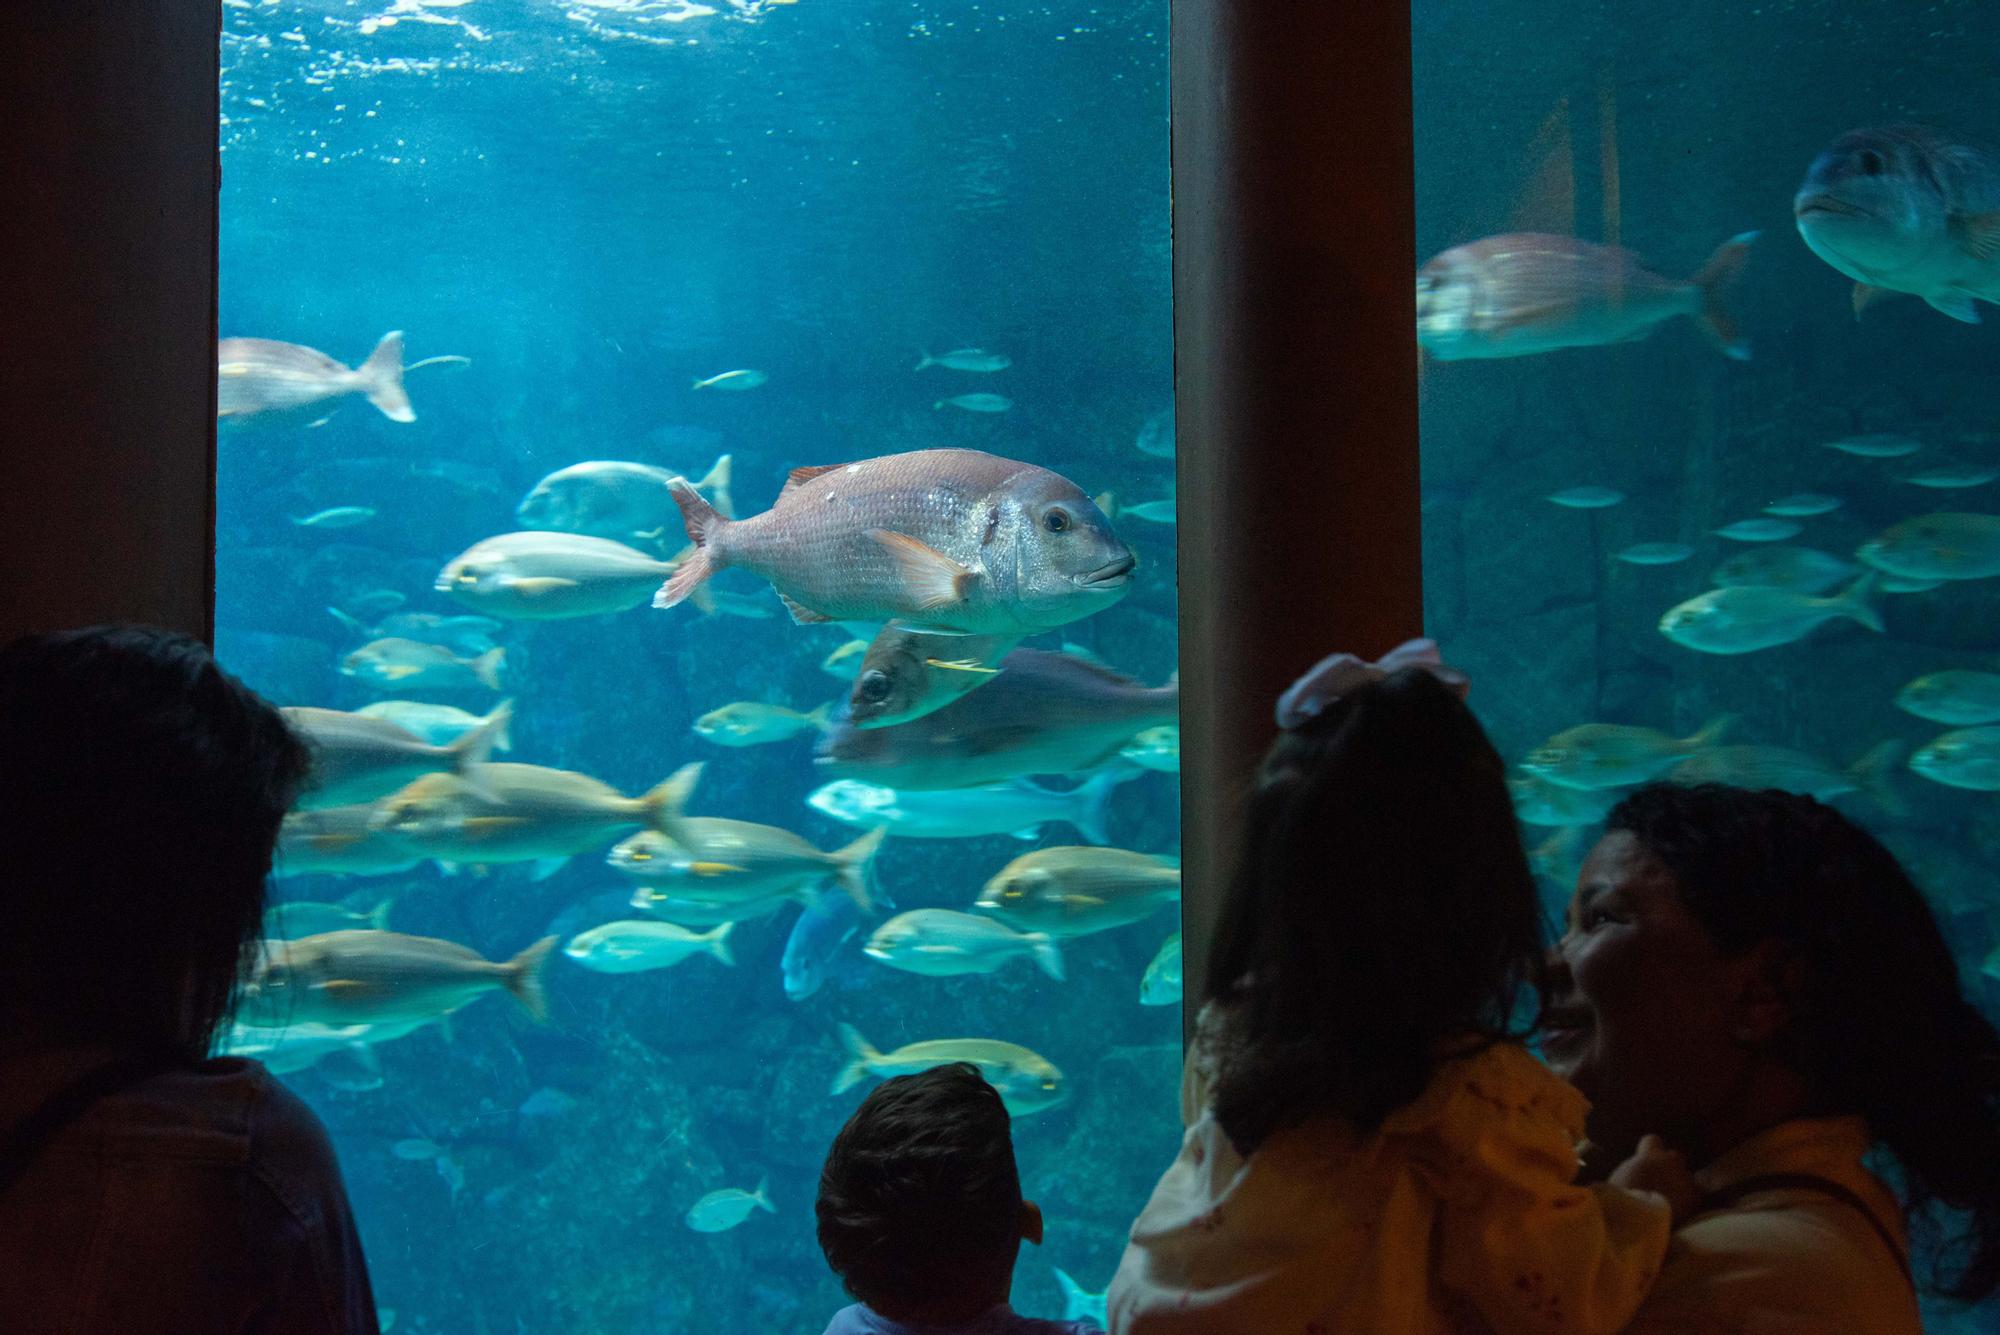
pixel 1615 755
pixel 359 757
pixel 375 602
pixel 303 917
pixel 749 723
pixel 1656 553
pixel 1156 437
pixel 735 861
pixel 720 1211
pixel 289 1048
pixel 1966 758
pixel 365 977
pixel 1044 714
pixel 397 664
pixel 1015 807
pixel 1522 293
pixel 1904 208
pixel 1958 698
pixel 733 380
pixel 1952 477
pixel 1586 498
pixel 468 635
pixel 1069 892
pixel 632 946
pixel 1802 569
pixel 845 662
pixel 548 1101
pixel 1156 749
pixel 1539 801
pixel 1877 446
pixel 818 934
pixel 1791 771
pixel 1028 1082
pixel 968 359
pixel 259 375
pixel 416 1149
pixel 1759 530
pixel 546 576
pixel 339 841
pixel 618 499
pixel 942 943
pixel 340 516
pixel 957 541
pixel 1161 983
pixel 977 403
pixel 1803 505
pixel 441 725
pixel 1939 546
pixel 518 813
pixel 907 674
pixel 1744 620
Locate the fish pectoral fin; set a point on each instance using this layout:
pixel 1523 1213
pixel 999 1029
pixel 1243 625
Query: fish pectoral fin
pixel 715 868
pixel 930 577
pixel 480 826
pixel 1955 303
pixel 1979 233
pixel 803 615
pixel 935 949
pixel 346 987
pixel 398 671
pixel 537 586
pixel 1866 296
pixel 961 665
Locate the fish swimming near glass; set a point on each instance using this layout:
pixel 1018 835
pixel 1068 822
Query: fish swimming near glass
pixel 1905 208
pixel 619 499
pixel 944 943
pixel 1045 713
pixel 1068 892
pixel 1616 755
pixel 548 576
pixel 1958 697
pixel 261 375
pixel 1965 758
pixel 1160 985
pixel 957 541
pixel 1017 807
pixel 441 725
pixel 1028 1082
pixel 358 758
pixel 339 841
pixel 1760 767
pixel 720 1211
pixel 818 934
pixel 1745 619
pixel 368 977
pixel 1529 292
pixel 1945 546
pixel 397 664
pixel 906 674
pixel 977 360
pixel 636 946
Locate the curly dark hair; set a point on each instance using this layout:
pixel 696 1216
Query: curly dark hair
pixel 1882 1028
pixel 920 1201
pixel 1383 917
pixel 141 789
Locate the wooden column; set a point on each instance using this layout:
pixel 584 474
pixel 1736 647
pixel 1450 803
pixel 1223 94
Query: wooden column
pixel 1294 328
pixel 107 376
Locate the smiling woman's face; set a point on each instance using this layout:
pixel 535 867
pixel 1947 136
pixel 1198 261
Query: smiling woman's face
pixel 1641 1011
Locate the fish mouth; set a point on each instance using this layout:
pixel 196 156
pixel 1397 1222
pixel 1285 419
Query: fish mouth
pixel 1827 205
pixel 1114 575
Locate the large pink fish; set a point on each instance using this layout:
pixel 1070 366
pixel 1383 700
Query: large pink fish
pixel 261 375
pixel 953 541
pixel 1527 292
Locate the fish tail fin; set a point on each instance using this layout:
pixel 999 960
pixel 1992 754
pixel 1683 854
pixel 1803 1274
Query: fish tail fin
pixel 717 943
pixel 503 740
pixel 1711 733
pixel 1048 955
pixel 1073 1293
pixel 822 717
pixel 1094 803
pixel 925 359
pixel 861 1054
pixel 378 917
pixel 703 523
pixel 665 802
pixel 855 860
pixel 716 484
pixel 1874 774
pixel 1854 603
pixel 382 379
pixel 487 667
pixel 763 1195
pixel 476 746
pixel 1713 283
pixel 524 978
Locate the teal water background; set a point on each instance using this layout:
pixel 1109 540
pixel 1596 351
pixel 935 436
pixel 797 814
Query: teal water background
pixel 597 203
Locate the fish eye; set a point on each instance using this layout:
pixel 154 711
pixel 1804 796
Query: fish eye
pixel 874 686
pixel 1057 520
pixel 1871 162
pixel 1048 1084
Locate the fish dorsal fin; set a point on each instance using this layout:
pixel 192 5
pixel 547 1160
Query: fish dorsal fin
pixel 1979 233
pixel 801 615
pixel 798 477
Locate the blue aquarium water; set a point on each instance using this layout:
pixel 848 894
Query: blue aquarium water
pixel 1598 457
pixel 661 232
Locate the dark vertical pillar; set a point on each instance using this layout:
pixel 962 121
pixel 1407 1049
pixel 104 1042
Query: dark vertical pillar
pixel 107 376
pixel 1296 375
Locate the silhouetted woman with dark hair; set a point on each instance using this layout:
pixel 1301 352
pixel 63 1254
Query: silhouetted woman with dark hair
pixel 143 1187
pixel 1369 1148
pixel 1757 979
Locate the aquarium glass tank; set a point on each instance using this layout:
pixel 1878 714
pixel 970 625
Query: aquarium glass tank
pixel 704 473
pixel 1676 463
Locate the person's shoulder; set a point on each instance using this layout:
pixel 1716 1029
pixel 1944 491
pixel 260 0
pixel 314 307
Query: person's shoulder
pixel 853 1320
pixel 1497 1089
